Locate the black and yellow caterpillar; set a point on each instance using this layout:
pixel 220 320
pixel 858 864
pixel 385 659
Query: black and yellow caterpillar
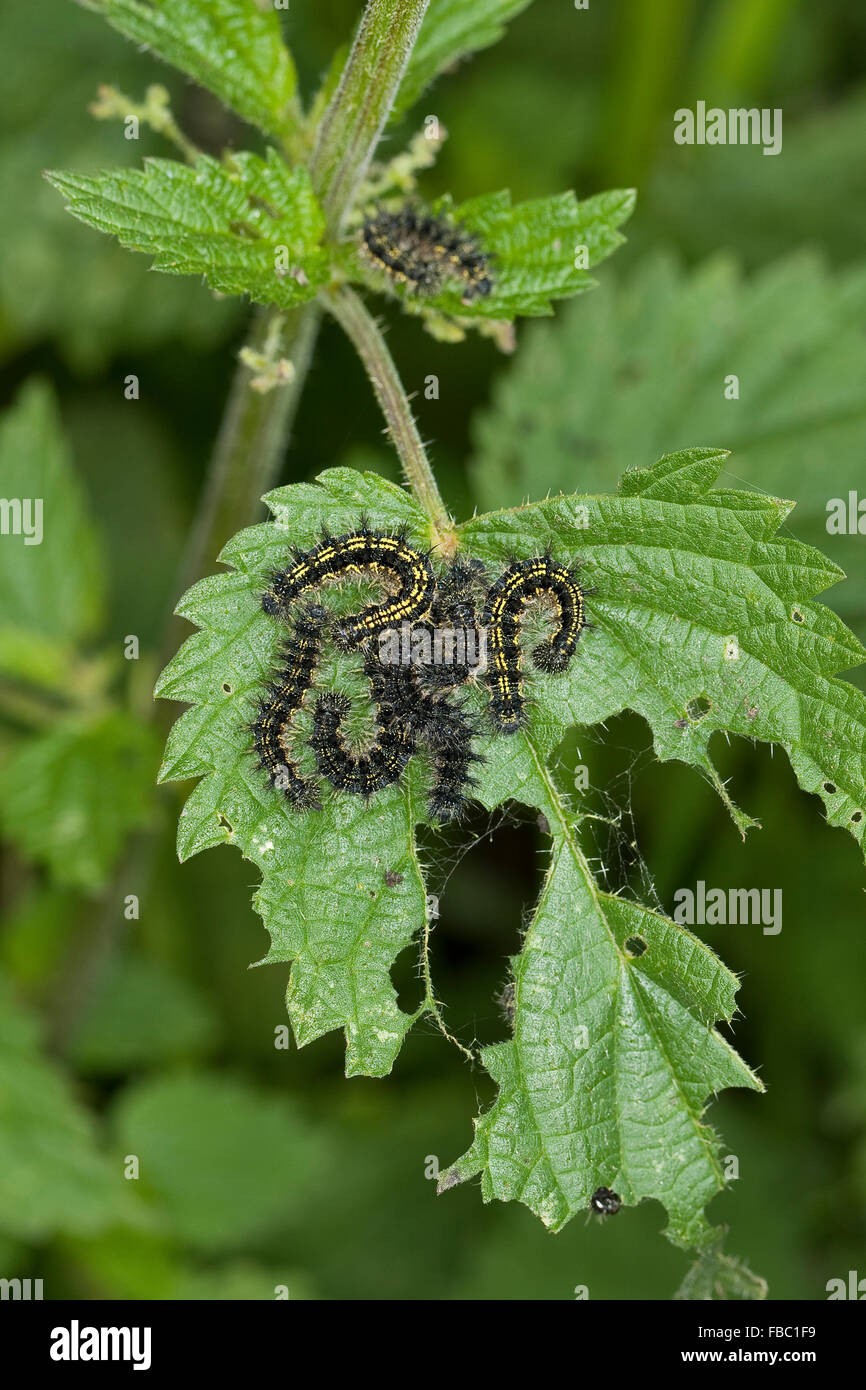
pixel 503 614
pixel 379 553
pixel 284 695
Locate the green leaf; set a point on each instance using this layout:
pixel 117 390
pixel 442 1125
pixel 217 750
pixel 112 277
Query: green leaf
pixel 655 350
pixel 715 1275
pixel 233 47
pixel 759 202
pixel 250 226
pixel 532 250
pixel 703 621
pixel 452 30
pixel 681 573
pixel 52 584
pixel 327 906
pixel 226 1163
pixel 53 1176
pixel 72 795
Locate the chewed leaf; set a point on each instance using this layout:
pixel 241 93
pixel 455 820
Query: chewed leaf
pixel 341 892
pixel 702 619
pixel 702 607
pixel 533 253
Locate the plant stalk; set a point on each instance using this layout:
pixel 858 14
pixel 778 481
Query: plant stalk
pixel 366 337
pixel 255 427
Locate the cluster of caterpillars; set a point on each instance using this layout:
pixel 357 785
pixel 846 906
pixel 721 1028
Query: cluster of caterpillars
pixel 426 253
pixel 415 700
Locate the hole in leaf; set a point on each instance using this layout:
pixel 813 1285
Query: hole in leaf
pixel 797 616
pixel 698 708
pixel 856 817
pixel 635 946
pixel 828 787
pixel 225 823
pixel 227 688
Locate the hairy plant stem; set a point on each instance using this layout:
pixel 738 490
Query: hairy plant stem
pixel 356 114
pixel 365 335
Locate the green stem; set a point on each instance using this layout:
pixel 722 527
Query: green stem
pixel 255 427
pixel 362 329
pixel 356 115
pixel 252 439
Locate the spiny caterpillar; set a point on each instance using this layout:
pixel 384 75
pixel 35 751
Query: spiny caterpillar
pixel 416 710
pixel 378 552
pixel 503 615
pixel 284 695
pixel 425 253
pixel 437 722
pixel 408 717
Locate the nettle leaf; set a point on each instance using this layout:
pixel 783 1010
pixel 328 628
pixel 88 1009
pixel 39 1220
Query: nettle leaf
pixel 698 189
pixel 715 1275
pixel 54 1176
pixel 60 285
pixel 540 250
pixel 249 225
pixel 453 30
pixel 664 344
pixel 613 1056
pixel 52 586
pixel 233 47
pixel 702 622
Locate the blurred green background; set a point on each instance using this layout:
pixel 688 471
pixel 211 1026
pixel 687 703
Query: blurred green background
pixel 263 1167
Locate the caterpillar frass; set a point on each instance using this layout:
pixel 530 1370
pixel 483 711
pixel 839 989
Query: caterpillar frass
pixel 504 606
pixel 604 1202
pixel 425 253
pixel 382 554
pixel 284 695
